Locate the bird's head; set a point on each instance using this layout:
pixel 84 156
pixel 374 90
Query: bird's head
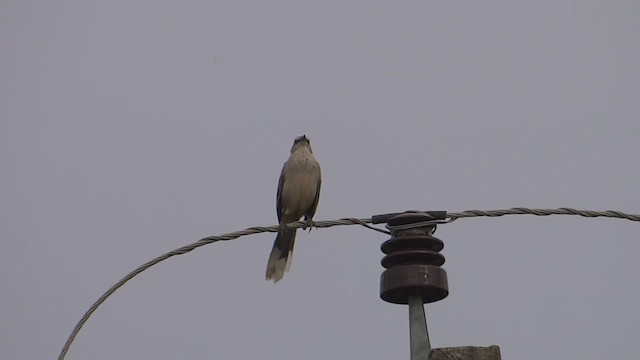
pixel 300 143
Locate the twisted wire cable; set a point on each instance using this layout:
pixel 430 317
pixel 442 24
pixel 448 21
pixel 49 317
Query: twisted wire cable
pixel 326 224
pixel 544 212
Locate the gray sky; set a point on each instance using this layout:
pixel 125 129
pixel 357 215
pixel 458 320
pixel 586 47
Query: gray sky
pixel 129 128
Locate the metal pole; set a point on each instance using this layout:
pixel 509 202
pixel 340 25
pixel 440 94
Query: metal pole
pixel 418 333
pixel 413 273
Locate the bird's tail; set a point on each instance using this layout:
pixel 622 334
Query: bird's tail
pixel 280 258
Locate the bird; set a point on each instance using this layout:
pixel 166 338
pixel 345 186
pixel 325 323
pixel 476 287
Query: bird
pixel 298 194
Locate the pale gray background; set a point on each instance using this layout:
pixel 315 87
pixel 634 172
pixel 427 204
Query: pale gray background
pixel 129 128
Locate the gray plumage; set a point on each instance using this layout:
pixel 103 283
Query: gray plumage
pixel 298 194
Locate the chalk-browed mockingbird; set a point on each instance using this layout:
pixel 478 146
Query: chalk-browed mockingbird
pixel 298 193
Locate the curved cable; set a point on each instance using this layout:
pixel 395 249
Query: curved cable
pixel 325 224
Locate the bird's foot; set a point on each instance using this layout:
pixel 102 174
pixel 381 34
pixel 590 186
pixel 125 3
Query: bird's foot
pixel 309 224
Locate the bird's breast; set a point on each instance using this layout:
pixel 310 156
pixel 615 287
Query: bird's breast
pixel 300 186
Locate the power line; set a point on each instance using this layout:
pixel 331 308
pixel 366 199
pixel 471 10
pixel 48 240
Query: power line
pixel 326 224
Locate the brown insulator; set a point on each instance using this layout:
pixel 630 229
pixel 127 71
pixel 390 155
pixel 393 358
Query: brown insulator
pixel 412 261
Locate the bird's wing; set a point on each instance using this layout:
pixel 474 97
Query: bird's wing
pixel 312 209
pixel 279 196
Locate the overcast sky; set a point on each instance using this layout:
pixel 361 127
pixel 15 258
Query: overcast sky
pixel 130 128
